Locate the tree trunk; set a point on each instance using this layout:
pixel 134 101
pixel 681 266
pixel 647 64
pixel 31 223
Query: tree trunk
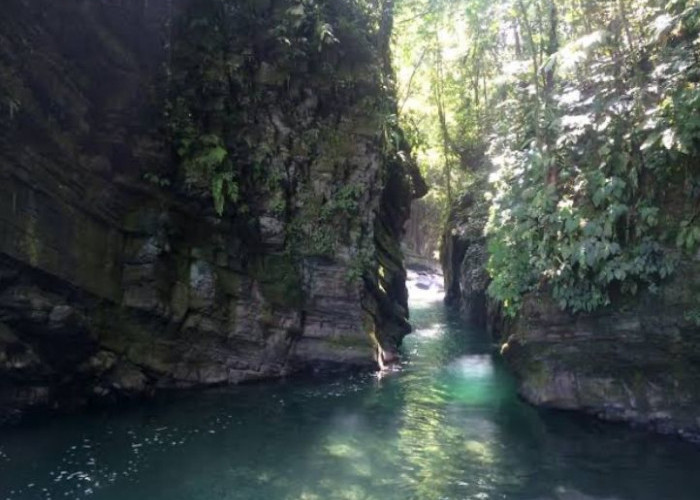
pixel 439 101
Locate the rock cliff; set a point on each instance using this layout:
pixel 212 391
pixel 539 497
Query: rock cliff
pixel 123 268
pixel 463 257
pixel 637 360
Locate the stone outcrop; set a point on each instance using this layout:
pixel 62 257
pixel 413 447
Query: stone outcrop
pixel 118 277
pixel 463 257
pixel 636 361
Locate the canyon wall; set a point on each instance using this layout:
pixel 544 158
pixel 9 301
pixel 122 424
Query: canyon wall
pixel 122 269
pixel 636 361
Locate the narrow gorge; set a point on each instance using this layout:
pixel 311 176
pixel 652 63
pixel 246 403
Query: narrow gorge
pixel 220 220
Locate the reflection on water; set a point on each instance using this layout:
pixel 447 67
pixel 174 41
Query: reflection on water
pixel 448 425
pixel 475 366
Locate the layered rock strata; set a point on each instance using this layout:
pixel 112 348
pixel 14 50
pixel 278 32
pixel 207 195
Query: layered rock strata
pixel 117 274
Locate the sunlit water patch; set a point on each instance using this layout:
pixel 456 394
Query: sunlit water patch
pixel 474 366
pixel 426 289
pixel 448 425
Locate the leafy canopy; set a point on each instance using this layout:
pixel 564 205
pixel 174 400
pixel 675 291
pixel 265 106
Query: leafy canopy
pixel 585 116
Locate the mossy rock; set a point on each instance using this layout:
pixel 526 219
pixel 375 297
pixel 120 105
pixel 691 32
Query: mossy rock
pixel 228 281
pixel 354 341
pixel 279 280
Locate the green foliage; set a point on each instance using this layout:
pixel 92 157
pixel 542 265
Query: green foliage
pixel 280 280
pixel 204 111
pixel 360 264
pixel 224 86
pixel 156 179
pixel 321 224
pixel 693 316
pixel 577 209
pixel 688 237
pixel 589 114
pixel 206 156
pixel 446 55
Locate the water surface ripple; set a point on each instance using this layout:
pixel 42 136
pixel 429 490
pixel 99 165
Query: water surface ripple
pixel 447 426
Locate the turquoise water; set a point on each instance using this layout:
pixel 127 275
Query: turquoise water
pixel 448 425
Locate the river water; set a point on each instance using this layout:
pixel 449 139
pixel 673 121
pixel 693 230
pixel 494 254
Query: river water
pixel 448 425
